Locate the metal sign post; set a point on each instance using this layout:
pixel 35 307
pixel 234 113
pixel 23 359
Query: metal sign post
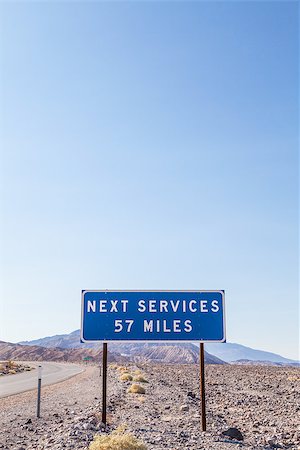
pixel 104 381
pixel 38 413
pixel 202 387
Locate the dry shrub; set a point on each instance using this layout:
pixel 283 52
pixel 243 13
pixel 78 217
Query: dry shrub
pixel 137 372
pixel 12 372
pixel 140 379
pixel 136 389
pixel 126 377
pixel 114 366
pixel 117 440
pixel 141 399
pixel 293 378
pixel 122 369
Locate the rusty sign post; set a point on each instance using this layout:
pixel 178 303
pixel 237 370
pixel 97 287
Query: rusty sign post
pixel 104 381
pixel 202 387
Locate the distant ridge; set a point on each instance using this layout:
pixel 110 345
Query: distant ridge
pixel 71 340
pixel 20 352
pixel 171 353
pixel 247 362
pixel 231 352
pixel 228 352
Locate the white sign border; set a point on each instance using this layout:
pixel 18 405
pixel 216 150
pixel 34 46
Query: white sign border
pixel 222 292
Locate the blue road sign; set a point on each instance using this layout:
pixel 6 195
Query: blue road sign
pixel 153 316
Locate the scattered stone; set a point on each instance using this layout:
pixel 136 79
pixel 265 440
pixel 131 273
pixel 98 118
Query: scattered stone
pixel 184 408
pixel 248 395
pixel 233 433
pixel 191 394
pixel 273 444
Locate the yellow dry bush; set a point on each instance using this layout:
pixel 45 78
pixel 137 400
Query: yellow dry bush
pixel 122 369
pixel 141 399
pixel 12 372
pixel 293 378
pixel 117 440
pixel 136 389
pixel 140 379
pixel 137 372
pixel 126 377
pixel 114 366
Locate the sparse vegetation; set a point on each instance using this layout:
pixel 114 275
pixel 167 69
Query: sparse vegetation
pixel 126 377
pixel 11 368
pixel 151 417
pixel 136 389
pixel 294 378
pixel 123 369
pixel 114 366
pixel 117 440
pixel 140 379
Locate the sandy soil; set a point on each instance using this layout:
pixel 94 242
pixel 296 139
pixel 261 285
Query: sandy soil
pixel 262 402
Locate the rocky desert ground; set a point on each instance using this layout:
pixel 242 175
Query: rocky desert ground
pixel 262 402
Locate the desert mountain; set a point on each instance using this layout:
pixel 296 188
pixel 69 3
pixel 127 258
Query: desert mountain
pixel 71 340
pixel 19 352
pixel 184 354
pixel 228 352
pixel 247 362
pixel 167 353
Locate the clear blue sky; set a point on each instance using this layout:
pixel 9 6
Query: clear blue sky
pixel 150 146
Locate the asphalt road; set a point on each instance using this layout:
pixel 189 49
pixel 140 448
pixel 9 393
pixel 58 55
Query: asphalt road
pixel 52 372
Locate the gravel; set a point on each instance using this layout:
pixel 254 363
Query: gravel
pixel 261 402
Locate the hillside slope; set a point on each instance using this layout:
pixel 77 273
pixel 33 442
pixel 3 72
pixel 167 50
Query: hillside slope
pixel 19 352
pixel 233 352
pixel 228 352
pixel 184 353
pixel 166 354
pixel 171 353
